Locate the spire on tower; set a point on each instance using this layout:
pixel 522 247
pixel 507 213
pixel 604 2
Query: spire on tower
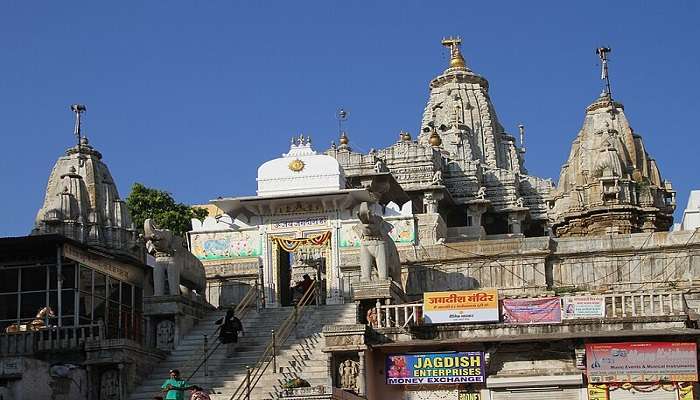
pixel 602 53
pixel 78 109
pixel 456 58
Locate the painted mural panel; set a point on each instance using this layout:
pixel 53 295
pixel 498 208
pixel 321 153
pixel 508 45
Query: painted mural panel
pixel 404 232
pixel 226 245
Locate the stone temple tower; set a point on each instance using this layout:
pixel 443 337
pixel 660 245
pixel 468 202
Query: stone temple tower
pixel 610 184
pixel 482 156
pixel 462 164
pixel 82 202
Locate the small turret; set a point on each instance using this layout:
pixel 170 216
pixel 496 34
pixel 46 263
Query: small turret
pixel 82 201
pixel 609 184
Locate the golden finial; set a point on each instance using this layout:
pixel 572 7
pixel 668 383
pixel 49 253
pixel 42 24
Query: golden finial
pixel 435 140
pixel 344 139
pixel 404 136
pixel 456 58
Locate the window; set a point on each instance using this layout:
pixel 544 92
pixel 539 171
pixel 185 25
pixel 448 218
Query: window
pixel 31 304
pixel 8 306
pixel 67 273
pixel 85 280
pixel 138 298
pixel 68 306
pixel 9 280
pixel 113 286
pixel 84 308
pixel 100 285
pixel 33 278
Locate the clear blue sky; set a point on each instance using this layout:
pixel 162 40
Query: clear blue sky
pixel 191 96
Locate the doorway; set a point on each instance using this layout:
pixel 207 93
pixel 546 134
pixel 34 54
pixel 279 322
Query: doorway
pixel 285 277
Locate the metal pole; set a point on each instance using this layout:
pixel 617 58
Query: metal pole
pixel 247 382
pixel 206 350
pixel 257 295
pixel 59 284
pixel 274 353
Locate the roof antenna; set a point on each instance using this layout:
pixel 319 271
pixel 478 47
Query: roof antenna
pixel 602 53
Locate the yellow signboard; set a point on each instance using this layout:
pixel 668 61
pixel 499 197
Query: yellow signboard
pixel 685 391
pixel 462 306
pixel 468 396
pixel 597 392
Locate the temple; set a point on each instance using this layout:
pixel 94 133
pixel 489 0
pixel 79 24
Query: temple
pixel 610 184
pixel 82 201
pixel 435 268
pixel 462 165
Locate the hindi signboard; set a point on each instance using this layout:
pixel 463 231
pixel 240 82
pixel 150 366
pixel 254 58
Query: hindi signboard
pixel 583 307
pixel 459 307
pixel 435 368
pixel 641 362
pixel 546 310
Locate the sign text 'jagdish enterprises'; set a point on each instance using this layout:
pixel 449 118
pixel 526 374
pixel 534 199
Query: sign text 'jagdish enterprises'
pixel 435 368
pixel 461 306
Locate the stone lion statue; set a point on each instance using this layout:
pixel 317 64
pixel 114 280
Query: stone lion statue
pixel 174 260
pixel 377 249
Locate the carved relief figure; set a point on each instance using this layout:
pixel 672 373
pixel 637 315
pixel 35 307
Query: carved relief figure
pixel 481 194
pixel 173 259
pixel 437 178
pixel 109 385
pixel 377 249
pixel 372 317
pixel 165 335
pixel 348 371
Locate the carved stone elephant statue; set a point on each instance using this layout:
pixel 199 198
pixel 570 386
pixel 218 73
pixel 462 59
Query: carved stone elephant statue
pixel 173 259
pixel 377 249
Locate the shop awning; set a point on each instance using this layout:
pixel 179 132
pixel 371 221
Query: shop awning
pixel 494 382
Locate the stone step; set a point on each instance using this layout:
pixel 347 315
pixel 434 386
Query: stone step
pixel 300 355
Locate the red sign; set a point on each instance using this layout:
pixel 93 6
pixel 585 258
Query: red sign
pixel 532 311
pixel 641 362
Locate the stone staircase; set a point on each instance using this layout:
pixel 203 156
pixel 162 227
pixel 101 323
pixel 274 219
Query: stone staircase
pixel 188 353
pixel 300 356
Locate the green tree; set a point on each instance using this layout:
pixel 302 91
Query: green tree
pixel 144 202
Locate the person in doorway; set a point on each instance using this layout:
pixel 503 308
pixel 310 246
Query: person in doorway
pixel 303 286
pixel 228 333
pixel 174 387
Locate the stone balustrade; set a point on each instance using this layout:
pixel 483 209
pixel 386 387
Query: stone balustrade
pixel 617 305
pixel 65 338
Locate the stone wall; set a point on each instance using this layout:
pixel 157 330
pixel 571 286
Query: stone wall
pixel 39 379
pixel 627 262
pixel 534 265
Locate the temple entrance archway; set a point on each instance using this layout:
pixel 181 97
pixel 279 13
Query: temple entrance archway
pixel 293 257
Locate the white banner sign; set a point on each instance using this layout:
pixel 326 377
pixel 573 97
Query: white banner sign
pixel 583 307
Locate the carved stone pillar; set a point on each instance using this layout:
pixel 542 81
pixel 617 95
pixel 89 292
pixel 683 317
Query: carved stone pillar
pixel 361 377
pixel 515 220
pixel 430 201
pixel 475 209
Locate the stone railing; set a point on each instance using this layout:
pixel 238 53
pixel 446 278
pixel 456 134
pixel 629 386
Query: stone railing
pixel 51 339
pixel 398 315
pixel 318 393
pixel 617 305
pixel 643 304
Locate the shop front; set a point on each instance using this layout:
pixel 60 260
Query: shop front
pixel 641 370
pixel 549 387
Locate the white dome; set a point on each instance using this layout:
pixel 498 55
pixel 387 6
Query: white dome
pixel 301 170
